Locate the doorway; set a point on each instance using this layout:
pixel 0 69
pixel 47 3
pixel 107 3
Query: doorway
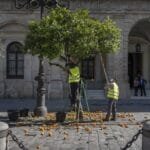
pixel 135 63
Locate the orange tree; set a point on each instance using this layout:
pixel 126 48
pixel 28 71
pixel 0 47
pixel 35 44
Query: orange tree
pixel 74 33
pixel 62 31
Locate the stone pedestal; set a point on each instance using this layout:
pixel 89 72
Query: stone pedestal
pixel 3 134
pixel 146 136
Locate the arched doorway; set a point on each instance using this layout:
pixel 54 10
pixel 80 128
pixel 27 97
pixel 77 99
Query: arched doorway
pixel 139 53
pixel 135 63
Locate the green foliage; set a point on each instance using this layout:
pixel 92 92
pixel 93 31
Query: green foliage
pixel 82 38
pixel 42 40
pixel 108 36
pixel 74 33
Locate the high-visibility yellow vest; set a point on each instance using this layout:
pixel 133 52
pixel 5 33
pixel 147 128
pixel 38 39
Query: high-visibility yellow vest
pixel 113 93
pixel 74 75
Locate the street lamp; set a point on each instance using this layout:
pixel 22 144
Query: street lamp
pixel 34 4
pixel 40 109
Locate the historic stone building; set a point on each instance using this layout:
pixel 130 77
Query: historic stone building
pixel 17 70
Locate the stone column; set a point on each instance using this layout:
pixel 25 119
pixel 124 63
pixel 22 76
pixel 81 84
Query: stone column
pixel 3 134
pixel 146 136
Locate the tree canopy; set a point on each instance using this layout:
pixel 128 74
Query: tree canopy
pixel 108 36
pixel 71 32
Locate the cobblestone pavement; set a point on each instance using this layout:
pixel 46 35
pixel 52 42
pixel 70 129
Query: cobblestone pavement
pixel 109 136
pixel 112 138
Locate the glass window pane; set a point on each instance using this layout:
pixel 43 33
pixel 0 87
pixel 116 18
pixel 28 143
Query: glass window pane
pixel 11 68
pixel 15 47
pixel 88 68
pixel 20 56
pixel 15 60
pixel 11 56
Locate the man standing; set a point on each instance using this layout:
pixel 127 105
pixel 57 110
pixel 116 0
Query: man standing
pixel 73 72
pixel 74 79
pixel 113 96
pixel 142 86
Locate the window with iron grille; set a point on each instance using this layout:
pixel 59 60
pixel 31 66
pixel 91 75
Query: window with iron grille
pixel 15 61
pixel 88 68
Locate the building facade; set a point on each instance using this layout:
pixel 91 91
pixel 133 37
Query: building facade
pixel 17 70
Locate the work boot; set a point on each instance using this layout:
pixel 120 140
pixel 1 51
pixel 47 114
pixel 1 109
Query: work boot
pixel 106 118
pixel 81 116
pixel 113 118
pixel 73 107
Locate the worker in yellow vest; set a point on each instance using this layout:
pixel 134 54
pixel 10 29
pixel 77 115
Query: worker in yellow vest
pixel 74 80
pixel 73 72
pixel 112 96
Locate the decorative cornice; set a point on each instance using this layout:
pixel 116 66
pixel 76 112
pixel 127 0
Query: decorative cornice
pixel 11 22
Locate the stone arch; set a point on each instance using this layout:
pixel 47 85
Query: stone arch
pixel 13 25
pixel 139 50
pixel 12 22
pixel 12 30
pixel 135 21
pixel 135 25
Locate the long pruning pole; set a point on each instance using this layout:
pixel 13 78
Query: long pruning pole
pixel 103 66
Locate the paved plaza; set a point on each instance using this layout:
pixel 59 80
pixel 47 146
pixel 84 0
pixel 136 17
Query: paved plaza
pixel 111 135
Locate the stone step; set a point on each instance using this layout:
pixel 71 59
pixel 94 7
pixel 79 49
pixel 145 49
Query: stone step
pixel 95 91
pixel 99 94
pixel 140 98
pixel 147 94
pixel 95 94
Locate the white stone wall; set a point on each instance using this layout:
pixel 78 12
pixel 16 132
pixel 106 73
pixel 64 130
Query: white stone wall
pixel 13 27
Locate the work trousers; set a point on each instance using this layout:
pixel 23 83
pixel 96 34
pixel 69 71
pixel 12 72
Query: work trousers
pixel 136 90
pixel 143 91
pixel 111 108
pixel 73 92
